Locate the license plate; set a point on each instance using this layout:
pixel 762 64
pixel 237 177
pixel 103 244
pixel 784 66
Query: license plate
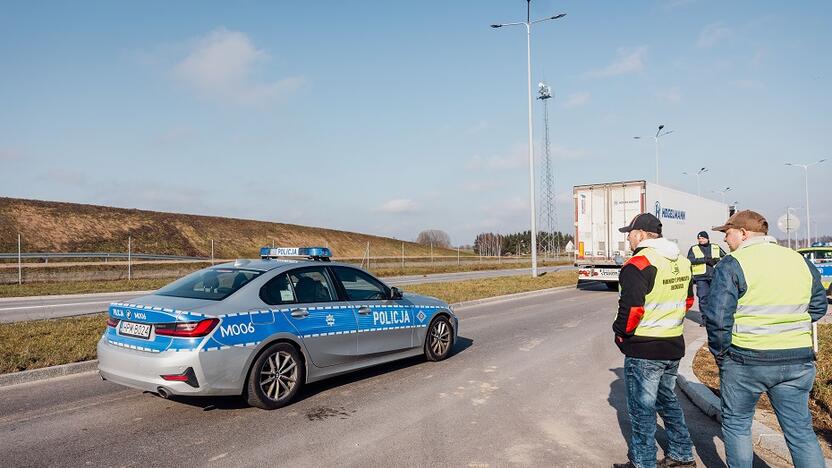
pixel 138 330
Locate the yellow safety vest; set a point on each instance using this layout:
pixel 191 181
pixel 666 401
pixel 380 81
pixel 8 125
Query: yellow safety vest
pixel 774 311
pixel 665 304
pixel 701 268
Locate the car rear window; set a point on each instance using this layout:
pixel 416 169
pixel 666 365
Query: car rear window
pixel 214 284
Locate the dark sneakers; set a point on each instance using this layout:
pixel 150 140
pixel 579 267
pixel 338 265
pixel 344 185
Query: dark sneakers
pixel 664 462
pixel 669 462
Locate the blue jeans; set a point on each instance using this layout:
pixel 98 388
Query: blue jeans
pixel 650 388
pixel 703 289
pixel 788 388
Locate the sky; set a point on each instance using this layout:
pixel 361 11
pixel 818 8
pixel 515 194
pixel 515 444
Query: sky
pixel 390 118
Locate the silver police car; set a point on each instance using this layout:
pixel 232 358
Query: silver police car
pixel 263 328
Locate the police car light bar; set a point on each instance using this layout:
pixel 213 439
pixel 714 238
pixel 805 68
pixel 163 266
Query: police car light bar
pixel 314 253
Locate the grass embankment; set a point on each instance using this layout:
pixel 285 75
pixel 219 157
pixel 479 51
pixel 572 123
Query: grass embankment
pixel 145 284
pixel 42 343
pixel 820 401
pixel 47 226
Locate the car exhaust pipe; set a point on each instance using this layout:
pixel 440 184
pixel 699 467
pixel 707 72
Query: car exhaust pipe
pixel 163 392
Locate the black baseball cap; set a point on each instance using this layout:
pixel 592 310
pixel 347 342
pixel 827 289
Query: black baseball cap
pixel 644 222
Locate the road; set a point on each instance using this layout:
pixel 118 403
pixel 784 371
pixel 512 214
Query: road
pixel 534 381
pixel 15 309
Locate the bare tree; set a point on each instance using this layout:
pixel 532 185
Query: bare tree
pixel 434 237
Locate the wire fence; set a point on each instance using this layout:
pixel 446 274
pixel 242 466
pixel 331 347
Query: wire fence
pixel 35 267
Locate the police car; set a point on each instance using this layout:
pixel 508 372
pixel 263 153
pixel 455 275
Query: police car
pixel 820 254
pixel 263 328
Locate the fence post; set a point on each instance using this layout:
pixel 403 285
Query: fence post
pixel 212 251
pixel 19 263
pixel 431 252
pixel 129 258
pixel 457 255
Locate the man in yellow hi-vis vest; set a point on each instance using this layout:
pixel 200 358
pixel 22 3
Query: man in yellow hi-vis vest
pixel 764 298
pixel 656 293
pixel 703 257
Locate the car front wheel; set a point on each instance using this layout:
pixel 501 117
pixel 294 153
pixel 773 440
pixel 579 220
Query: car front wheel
pixel 440 339
pixel 275 377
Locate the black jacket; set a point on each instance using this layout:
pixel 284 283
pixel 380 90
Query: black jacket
pixel 637 278
pixel 708 260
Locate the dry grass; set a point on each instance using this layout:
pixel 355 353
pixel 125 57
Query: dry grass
pixel 70 227
pixel 470 266
pixel 143 284
pixel 460 291
pixel 820 402
pixel 41 343
pixel 80 287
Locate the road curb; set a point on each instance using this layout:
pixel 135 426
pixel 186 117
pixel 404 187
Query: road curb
pixel 44 373
pixel 34 375
pixel 763 436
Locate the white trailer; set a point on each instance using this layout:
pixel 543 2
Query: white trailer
pixel 600 209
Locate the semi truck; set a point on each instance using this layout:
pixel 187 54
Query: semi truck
pixel 600 209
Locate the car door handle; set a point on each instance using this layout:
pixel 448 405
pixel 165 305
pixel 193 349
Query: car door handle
pixel 300 313
pixel 364 310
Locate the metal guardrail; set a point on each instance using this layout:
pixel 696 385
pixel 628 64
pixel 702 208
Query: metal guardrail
pixel 104 255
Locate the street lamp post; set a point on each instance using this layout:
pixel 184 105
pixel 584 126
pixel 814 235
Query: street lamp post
pixel 698 185
pixel 655 138
pixel 528 23
pixel 722 192
pixel 806 185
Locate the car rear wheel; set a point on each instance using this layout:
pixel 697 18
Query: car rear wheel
pixel 440 339
pixel 275 377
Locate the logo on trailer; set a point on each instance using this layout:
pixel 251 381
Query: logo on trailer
pixel 669 213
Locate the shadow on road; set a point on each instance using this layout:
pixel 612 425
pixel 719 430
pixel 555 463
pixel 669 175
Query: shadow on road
pixel 703 430
pixel 599 286
pixel 310 390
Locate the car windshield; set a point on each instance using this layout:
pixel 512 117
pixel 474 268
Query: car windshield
pixel 214 284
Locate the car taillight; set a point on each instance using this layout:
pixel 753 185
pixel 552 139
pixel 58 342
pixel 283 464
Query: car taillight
pixel 112 322
pixel 187 329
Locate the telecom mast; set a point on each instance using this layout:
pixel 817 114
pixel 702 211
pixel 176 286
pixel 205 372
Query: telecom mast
pixel 548 213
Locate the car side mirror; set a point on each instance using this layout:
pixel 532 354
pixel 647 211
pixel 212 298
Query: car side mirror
pixel 395 293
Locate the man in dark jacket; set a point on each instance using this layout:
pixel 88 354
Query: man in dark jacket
pixel 764 300
pixel 703 256
pixel 656 293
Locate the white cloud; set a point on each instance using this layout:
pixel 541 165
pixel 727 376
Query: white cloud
pixel 577 99
pixel 670 95
pixel 220 66
pixel 713 34
pixel 627 60
pixel 400 205
pixel 173 136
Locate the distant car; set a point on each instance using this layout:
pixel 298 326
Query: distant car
pixel 820 254
pixel 263 328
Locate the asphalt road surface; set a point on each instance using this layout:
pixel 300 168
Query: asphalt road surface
pixel 535 381
pixel 15 309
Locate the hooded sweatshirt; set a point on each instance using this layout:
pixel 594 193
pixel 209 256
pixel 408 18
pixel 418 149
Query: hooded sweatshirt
pixel 637 280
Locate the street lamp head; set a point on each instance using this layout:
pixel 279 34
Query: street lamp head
pixel 637 138
pixel 558 16
pixel 661 127
pixel 495 26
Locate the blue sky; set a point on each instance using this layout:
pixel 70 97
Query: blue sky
pixel 394 117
